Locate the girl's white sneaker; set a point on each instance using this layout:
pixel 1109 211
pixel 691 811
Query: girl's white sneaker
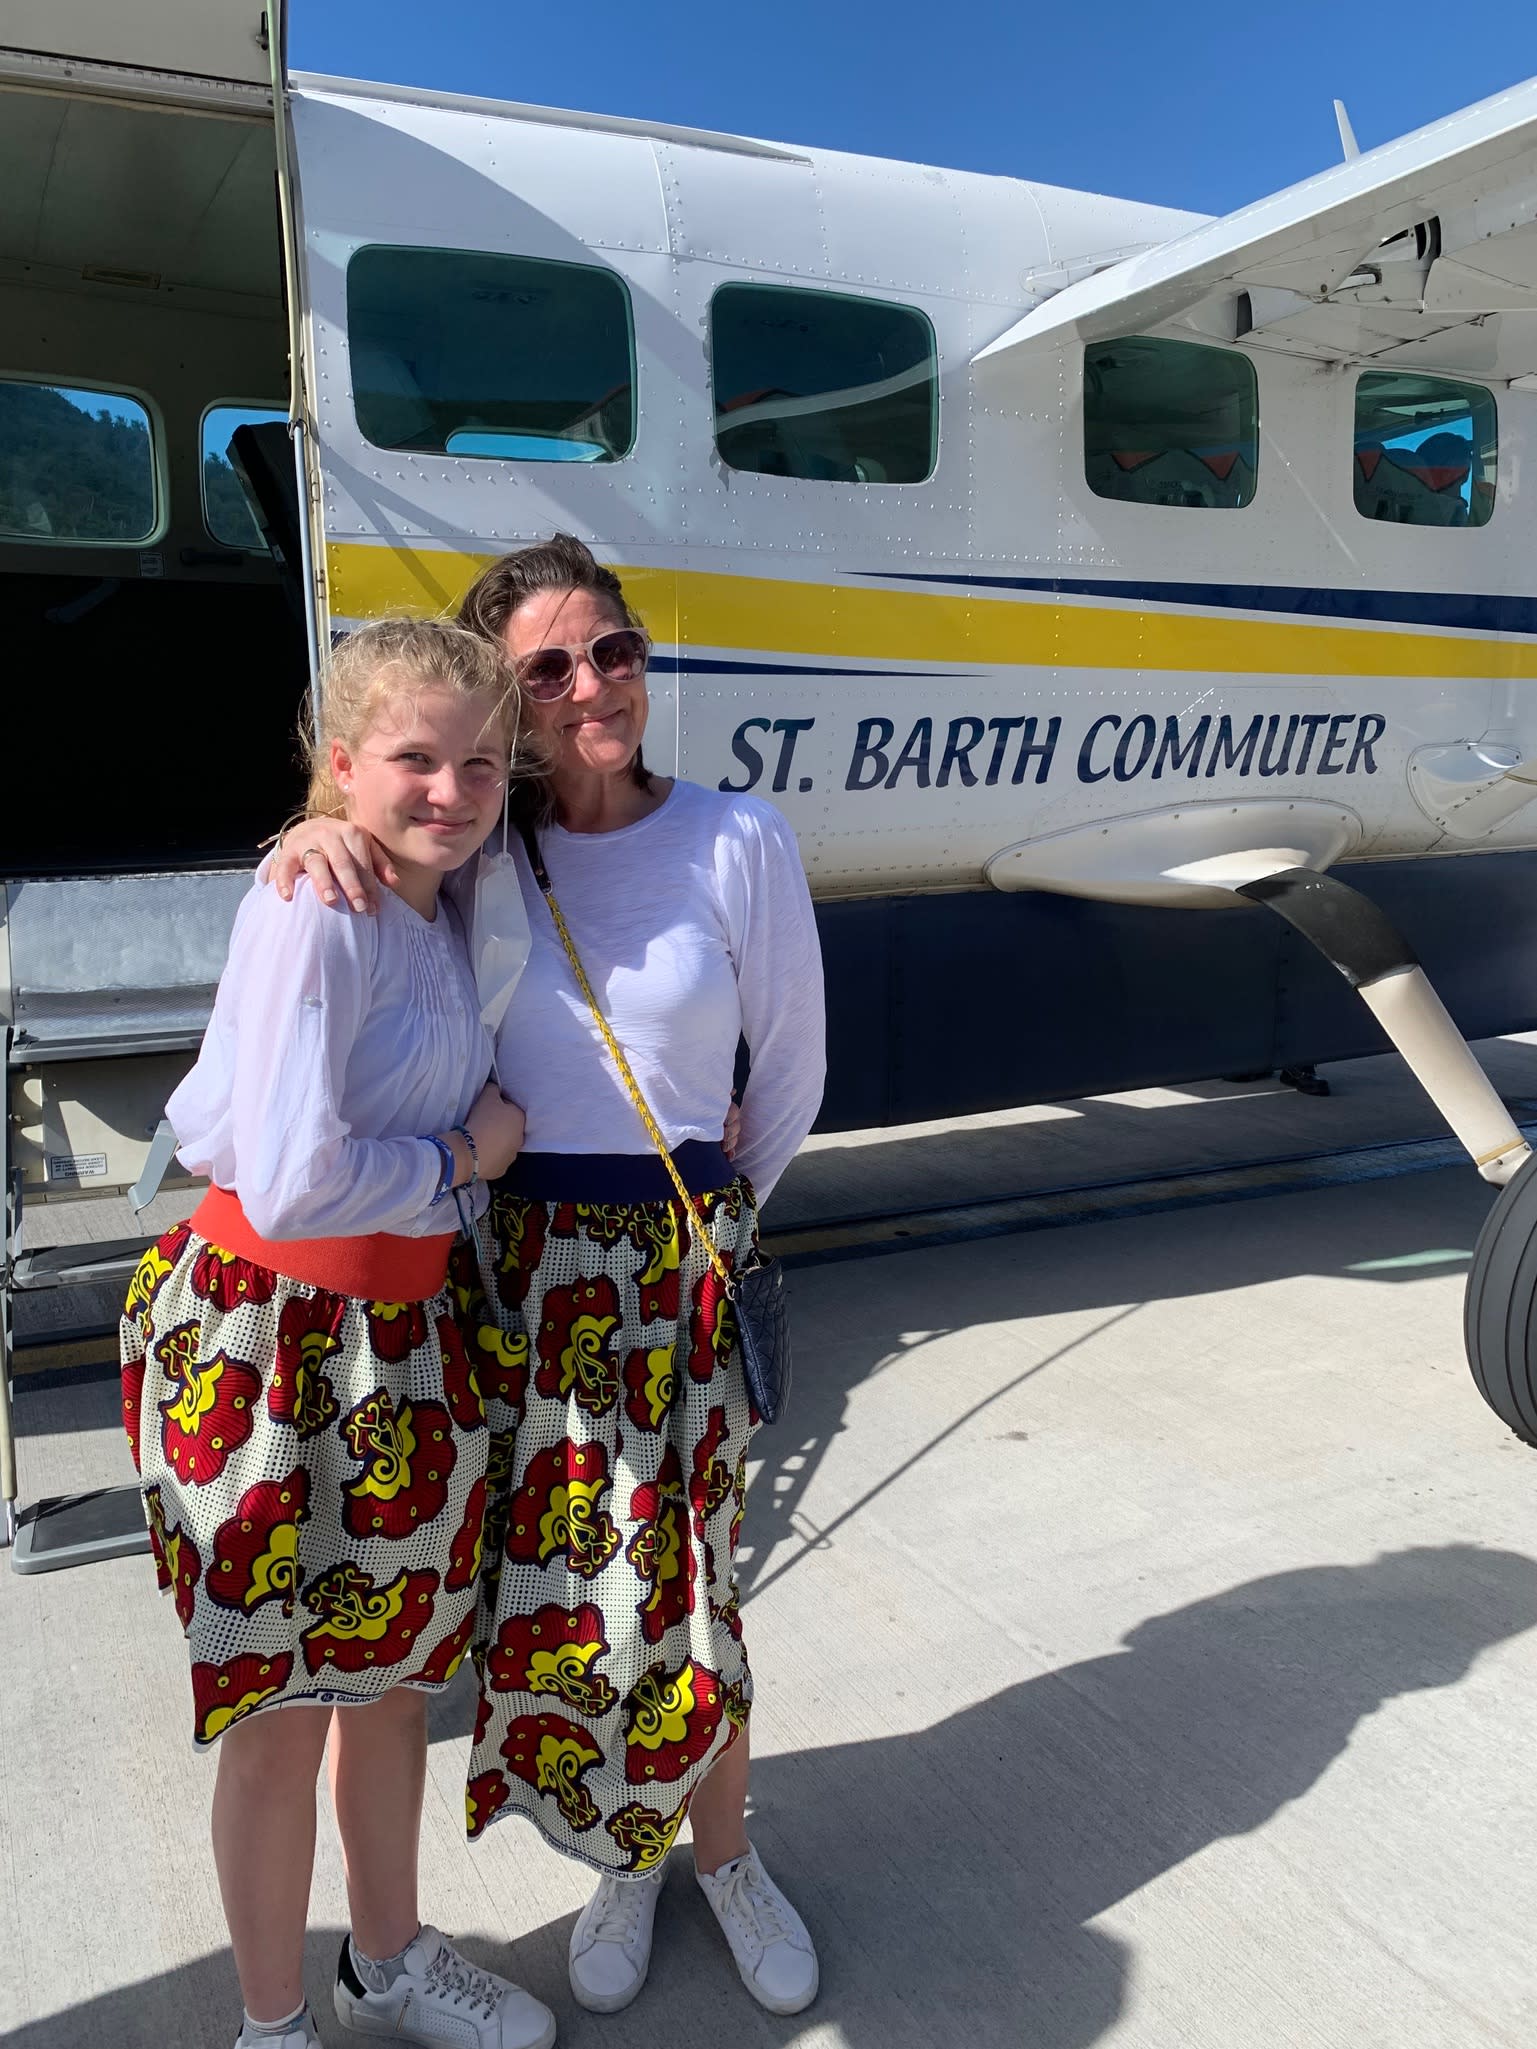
pixel 434 1995
pixel 299 2034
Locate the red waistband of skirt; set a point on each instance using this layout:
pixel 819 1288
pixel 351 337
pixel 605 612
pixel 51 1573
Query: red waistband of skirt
pixel 381 1268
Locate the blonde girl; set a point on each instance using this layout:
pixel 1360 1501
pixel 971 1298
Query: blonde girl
pixel 310 1437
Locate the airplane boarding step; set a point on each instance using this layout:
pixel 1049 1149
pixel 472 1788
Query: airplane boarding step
pixel 77 1266
pixel 81 1529
pixel 105 988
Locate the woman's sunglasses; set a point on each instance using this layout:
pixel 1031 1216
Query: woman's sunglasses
pixel 619 656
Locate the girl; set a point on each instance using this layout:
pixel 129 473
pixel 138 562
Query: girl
pixel 310 1437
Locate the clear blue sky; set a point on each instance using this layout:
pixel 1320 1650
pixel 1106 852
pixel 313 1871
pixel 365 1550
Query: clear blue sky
pixel 1202 103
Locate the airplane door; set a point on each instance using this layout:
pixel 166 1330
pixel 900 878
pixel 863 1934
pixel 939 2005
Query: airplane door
pixel 223 39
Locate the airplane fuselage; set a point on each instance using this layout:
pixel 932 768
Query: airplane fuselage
pixel 926 675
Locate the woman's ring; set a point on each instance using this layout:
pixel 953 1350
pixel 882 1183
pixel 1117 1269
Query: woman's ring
pixel 306 854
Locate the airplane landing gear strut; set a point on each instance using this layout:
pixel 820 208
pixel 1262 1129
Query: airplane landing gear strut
pixel 1500 1313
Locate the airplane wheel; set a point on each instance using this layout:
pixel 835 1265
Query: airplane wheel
pixel 1500 1308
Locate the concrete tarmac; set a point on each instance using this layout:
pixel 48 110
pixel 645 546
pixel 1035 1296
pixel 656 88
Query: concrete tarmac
pixel 1143 1621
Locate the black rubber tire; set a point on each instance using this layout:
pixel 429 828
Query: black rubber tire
pixel 1500 1308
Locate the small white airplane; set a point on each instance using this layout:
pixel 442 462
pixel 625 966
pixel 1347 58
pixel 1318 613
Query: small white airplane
pixel 1082 578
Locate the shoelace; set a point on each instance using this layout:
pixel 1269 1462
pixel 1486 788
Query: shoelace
pixel 618 1916
pixel 750 1902
pixel 451 1973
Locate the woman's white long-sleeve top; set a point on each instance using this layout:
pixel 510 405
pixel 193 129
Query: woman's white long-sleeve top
pixel 337 1045
pixel 695 928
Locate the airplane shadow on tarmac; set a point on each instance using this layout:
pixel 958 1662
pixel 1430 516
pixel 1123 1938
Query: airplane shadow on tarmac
pixel 951 1874
pixel 1377 1231
pixel 1200 1125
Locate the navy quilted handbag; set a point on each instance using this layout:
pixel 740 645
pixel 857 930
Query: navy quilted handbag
pixel 757 1291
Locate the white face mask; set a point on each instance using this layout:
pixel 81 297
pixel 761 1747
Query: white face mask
pixel 499 934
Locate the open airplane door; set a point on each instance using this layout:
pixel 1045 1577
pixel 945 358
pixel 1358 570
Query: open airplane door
pixel 181 45
pixel 184 52
pixel 143 139
pixel 1420 255
pixel 216 39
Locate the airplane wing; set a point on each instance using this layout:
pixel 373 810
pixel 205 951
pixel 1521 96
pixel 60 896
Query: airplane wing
pixel 1419 255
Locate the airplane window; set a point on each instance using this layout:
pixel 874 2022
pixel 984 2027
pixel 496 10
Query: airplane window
pixel 1426 450
pixel 501 357
pixel 1170 423
pixel 75 466
pixel 817 384
pixel 226 512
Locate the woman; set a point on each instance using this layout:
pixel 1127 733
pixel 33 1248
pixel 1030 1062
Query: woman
pixel 615 1686
pixel 312 1447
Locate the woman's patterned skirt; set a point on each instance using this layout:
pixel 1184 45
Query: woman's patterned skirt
pixel 314 1476
pixel 609 1643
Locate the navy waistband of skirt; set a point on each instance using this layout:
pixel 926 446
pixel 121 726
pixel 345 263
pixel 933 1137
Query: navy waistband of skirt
pixel 617 1177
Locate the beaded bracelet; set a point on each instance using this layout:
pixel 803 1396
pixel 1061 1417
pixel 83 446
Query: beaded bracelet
pixel 463 1131
pixel 447 1169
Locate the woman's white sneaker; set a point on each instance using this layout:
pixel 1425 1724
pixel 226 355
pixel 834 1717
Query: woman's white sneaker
pixel 773 1950
pixel 434 1996
pixel 611 1942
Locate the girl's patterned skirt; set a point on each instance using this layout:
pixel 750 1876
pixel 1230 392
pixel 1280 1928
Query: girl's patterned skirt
pixel 609 1643
pixel 314 1475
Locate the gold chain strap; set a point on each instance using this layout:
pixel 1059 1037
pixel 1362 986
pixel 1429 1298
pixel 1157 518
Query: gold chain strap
pixel 642 1109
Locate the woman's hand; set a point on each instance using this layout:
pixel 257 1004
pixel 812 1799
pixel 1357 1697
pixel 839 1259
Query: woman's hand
pixel 339 859
pixel 731 1137
pixel 497 1127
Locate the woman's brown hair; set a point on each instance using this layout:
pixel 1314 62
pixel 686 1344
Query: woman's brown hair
pixel 562 563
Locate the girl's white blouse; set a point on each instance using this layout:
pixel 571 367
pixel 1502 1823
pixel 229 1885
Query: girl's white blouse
pixel 337 1045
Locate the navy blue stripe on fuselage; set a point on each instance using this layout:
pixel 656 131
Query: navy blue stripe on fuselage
pixel 1467 612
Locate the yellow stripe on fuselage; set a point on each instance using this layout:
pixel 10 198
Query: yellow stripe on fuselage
pixel 758 614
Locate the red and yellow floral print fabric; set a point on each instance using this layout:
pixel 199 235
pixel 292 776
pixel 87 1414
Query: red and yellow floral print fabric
pixel 315 1480
pixel 608 1637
